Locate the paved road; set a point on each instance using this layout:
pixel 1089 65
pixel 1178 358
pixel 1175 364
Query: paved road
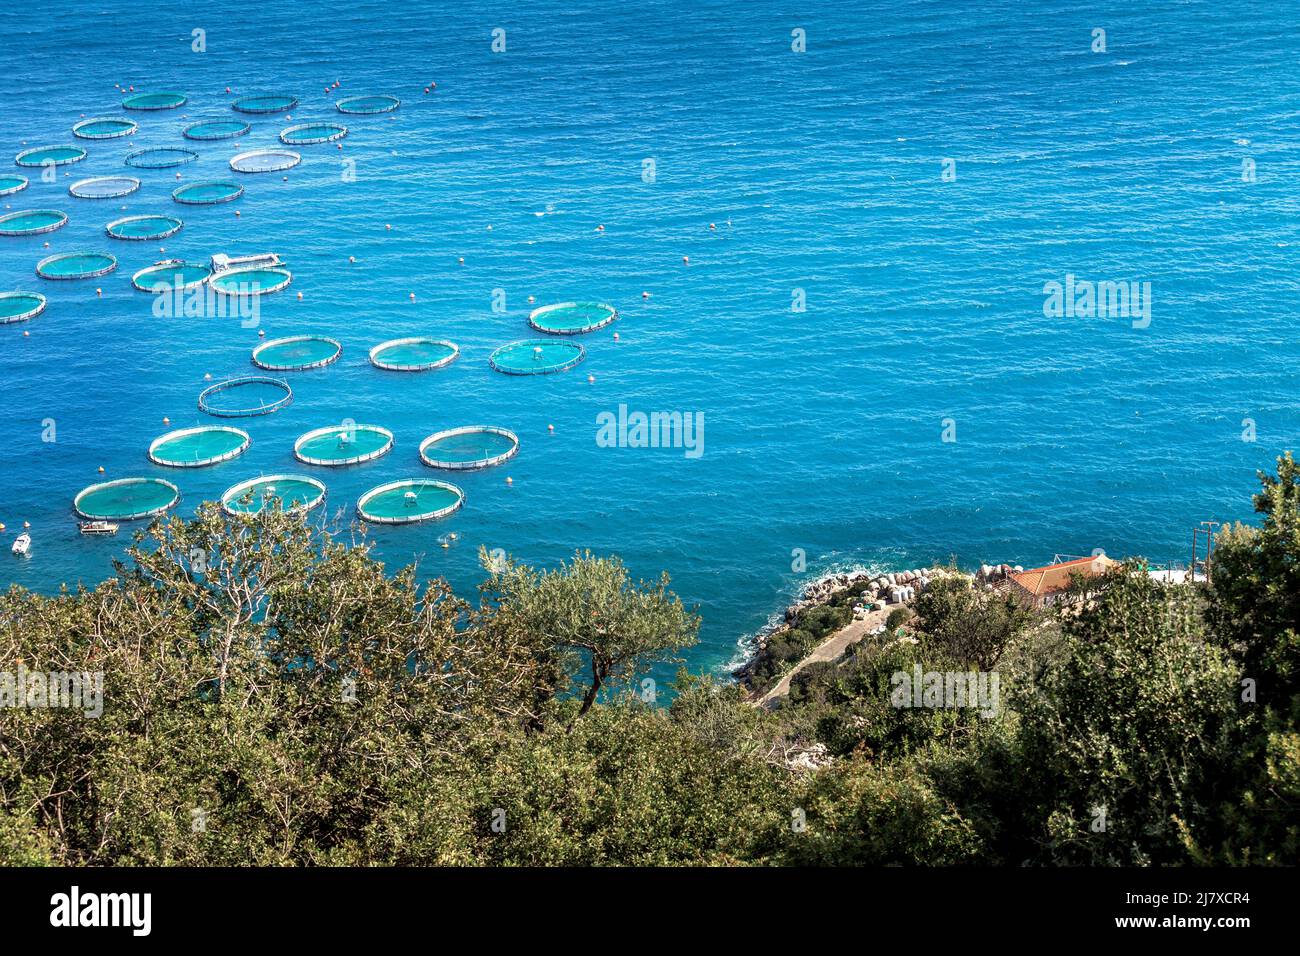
pixel 828 650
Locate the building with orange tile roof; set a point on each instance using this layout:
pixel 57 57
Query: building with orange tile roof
pixel 1050 584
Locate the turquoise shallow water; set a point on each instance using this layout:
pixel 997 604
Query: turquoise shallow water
pixel 821 172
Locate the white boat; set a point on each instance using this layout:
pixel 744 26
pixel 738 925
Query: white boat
pixel 22 543
pixel 98 527
pixel 224 263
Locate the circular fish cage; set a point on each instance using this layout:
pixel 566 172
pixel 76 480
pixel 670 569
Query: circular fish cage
pixel 409 500
pixel 572 318
pixel 308 134
pixel 207 193
pixel 368 105
pixel 154 101
pixel 76 265
pixel 297 353
pixel 171 275
pixel 293 494
pixel 251 281
pixel 11 183
pixel 265 103
pixel 20 306
pixel 160 157
pixel 104 127
pixel 50 156
pixel 343 445
pixel 32 222
pixel 413 354
pixel 199 446
pixel 536 357
pixel 125 499
pixel 469 447
pixel 104 187
pixel 264 161
pixel 143 227
pixel 216 129
pixel 245 397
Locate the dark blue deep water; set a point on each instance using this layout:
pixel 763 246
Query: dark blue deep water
pixel 822 171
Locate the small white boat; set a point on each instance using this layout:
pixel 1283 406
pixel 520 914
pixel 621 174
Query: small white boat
pixel 224 263
pixel 22 544
pixel 98 527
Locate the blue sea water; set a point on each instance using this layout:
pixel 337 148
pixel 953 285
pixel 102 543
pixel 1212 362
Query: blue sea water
pixel 822 171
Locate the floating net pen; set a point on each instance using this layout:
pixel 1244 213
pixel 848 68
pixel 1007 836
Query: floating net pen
pixel 50 156
pixel 216 129
pixel 31 222
pixel 366 105
pixel 251 281
pixel 104 187
pixel 469 447
pixel 171 275
pixel 404 502
pixel 413 354
pixel 20 306
pixel 104 127
pixel 265 103
pixel 297 353
pixel 343 445
pixel 143 227
pixel 264 161
pixel 536 357
pixel 207 193
pixel 76 265
pixel 160 157
pixel 126 499
pixel 199 446
pixel 290 493
pixel 154 101
pixel 11 183
pixel 245 397
pixel 308 134
pixel 572 318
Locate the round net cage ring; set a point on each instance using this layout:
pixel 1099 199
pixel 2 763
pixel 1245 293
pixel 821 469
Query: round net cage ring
pixel 409 500
pixel 347 444
pixel 136 228
pixel 160 157
pixel 11 183
pixel 50 156
pixel 308 134
pixel 245 397
pixel 260 281
pixel 199 446
pixel 295 494
pixel 216 129
pixel 297 353
pixel 76 265
pixel 104 127
pixel 125 499
pixel 208 193
pixel 32 222
pixel 154 101
pixel 104 187
pixel 171 275
pixel 572 318
pixel 469 447
pixel 265 103
pixel 536 357
pixel 413 354
pixel 368 105
pixel 20 306
pixel 265 161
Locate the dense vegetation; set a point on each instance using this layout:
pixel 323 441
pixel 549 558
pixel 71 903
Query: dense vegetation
pixel 272 696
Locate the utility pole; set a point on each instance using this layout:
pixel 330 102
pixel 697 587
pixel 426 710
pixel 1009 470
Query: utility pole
pixel 1206 529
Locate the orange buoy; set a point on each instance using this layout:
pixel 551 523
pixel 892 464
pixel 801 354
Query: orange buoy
pixel 166 420
pixel 299 296
pixel 26 334
pixel 99 292
pixel 686 259
pixel 591 380
pixel 712 226
pixel 412 296
pixel 550 428
pixel 600 228
pixel 2 526
pixel 27 524
pixel 510 481
pixel 101 469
